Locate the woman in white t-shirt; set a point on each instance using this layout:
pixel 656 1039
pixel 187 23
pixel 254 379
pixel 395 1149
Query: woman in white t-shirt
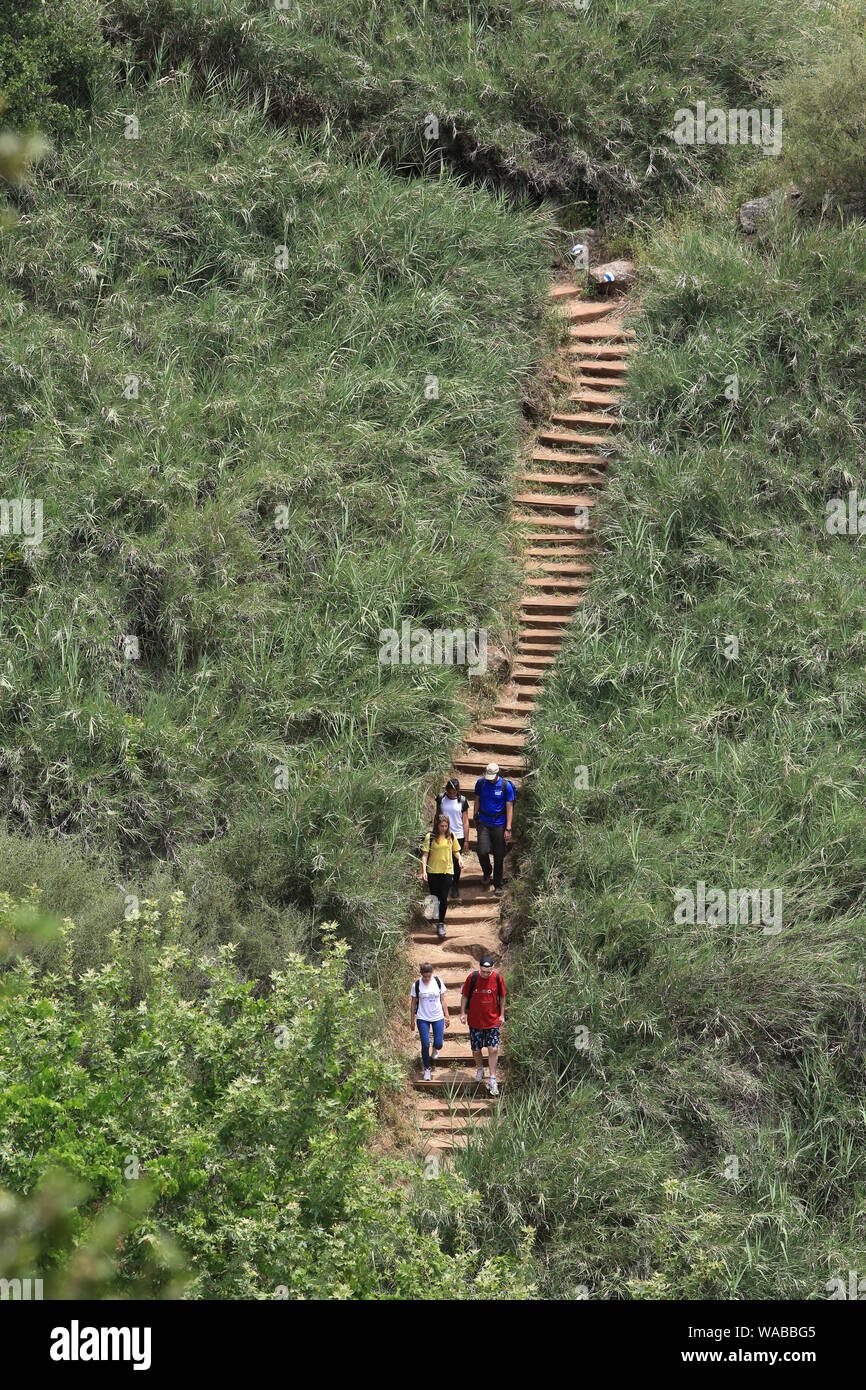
pixel 426 1009
pixel 456 808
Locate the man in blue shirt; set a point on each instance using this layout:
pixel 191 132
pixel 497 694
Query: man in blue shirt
pixel 494 807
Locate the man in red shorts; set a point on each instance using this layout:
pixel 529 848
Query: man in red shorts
pixel 482 998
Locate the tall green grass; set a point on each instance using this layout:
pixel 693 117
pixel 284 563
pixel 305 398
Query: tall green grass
pixel 555 99
pixel 283 487
pixel 703 1137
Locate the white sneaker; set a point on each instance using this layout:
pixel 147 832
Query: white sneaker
pixel 479 1073
pixel 428 1075
pixel 435 1053
pixel 492 1086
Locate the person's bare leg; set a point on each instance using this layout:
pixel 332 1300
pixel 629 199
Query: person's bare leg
pixel 492 1059
pixel 478 1059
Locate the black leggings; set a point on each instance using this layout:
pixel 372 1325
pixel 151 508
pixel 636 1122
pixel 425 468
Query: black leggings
pixel 461 840
pixel 440 886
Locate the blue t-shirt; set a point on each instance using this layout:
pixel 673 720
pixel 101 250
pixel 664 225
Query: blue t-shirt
pixel 493 796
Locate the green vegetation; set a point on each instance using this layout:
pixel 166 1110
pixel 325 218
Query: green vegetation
pixel 54 63
pixel 824 102
pixel 548 97
pixel 243 1118
pixel 706 1043
pixel 192 656
pixel 268 389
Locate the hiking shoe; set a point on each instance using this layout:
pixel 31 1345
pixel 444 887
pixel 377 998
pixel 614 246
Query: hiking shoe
pixel 455 891
pixel 486 880
pixel 428 1075
pixel 493 1086
pixel 479 1073
pixel 497 892
pixel 440 930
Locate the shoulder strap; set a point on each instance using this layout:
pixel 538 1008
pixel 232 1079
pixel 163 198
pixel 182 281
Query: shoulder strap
pixel 472 978
pixel 439 982
pixel 499 990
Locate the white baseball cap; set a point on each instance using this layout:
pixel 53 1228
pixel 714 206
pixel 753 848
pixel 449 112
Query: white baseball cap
pixel 492 772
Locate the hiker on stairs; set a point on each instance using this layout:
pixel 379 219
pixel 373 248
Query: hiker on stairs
pixel 439 856
pixel 494 807
pixel 456 808
pixel 426 1009
pixel 482 998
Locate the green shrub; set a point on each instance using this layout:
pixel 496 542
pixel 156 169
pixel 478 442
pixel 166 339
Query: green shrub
pixel 53 61
pixel 823 104
pixel 231 1126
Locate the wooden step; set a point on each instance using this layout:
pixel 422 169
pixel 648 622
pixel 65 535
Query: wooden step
pixel 593 332
pixel 542 603
pixel 564 291
pixel 587 311
pixel 601 349
pixel 559 456
pixel 457 1081
pixel 559 567
pixel 573 437
pixel 484 739
pixel 565 479
pixel 585 417
pixel 587 396
pixel 504 722
pixel 613 369
pixel 477 762
pixel 562 501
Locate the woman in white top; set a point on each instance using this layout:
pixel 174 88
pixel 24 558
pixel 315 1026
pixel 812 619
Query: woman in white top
pixel 455 806
pixel 426 1009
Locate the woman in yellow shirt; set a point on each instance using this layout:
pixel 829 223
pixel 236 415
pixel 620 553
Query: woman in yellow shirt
pixel 439 854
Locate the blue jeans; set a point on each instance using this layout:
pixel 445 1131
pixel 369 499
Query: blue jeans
pixel 424 1026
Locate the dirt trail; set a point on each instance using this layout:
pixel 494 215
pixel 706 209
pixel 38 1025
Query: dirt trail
pixel 553 506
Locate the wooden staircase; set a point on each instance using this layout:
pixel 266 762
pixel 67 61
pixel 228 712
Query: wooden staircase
pixel 554 506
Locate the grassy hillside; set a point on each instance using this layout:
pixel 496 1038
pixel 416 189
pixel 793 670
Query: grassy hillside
pixel 268 389
pixel 282 487
pixel 562 100
pixel 703 1137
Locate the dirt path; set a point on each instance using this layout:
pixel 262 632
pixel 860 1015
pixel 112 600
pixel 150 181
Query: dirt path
pixel 553 505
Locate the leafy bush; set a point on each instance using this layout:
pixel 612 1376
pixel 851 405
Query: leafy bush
pixel 53 61
pixel 823 103
pixel 244 1115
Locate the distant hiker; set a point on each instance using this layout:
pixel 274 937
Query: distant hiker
pixel 482 998
pixel 439 855
pixel 494 807
pixel 456 808
pixel 427 1011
